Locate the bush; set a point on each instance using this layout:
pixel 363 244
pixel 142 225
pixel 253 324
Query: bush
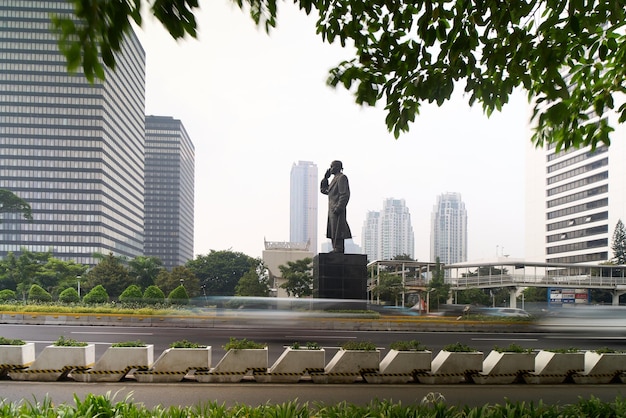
pixel 137 343
pixel 359 345
pixel 131 294
pixel 68 342
pixel 153 295
pixel 9 341
pixel 186 344
pixel 412 345
pixel 243 344
pixel 39 294
pixel 179 296
pixel 7 294
pixel 513 348
pixel 96 295
pixel 69 295
pixel 459 348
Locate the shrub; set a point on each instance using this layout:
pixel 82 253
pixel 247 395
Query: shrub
pixel 96 295
pixel 512 348
pixel 307 346
pixel 7 294
pixel 39 294
pixel 459 348
pixel 607 350
pixel 186 344
pixel 568 350
pixel 69 295
pixel 131 294
pixel 412 345
pixel 153 295
pixel 129 344
pixel 359 345
pixel 243 344
pixel 8 341
pixel 179 296
pixel 68 342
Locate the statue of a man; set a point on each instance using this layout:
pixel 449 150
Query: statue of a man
pixel 338 192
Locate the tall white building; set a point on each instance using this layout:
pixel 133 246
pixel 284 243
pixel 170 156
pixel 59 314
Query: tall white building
pixel 448 232
pixel 304 191
pixel 574 200
pixel 388 233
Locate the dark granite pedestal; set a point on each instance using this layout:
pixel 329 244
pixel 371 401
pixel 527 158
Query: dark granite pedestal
pixel 341 276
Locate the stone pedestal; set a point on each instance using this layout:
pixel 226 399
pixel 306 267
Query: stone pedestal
pixel 340 276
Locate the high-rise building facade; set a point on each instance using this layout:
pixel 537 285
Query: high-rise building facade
pixel 388 233
pixel 170 162
pixel 304 191
pixel 448 229
pixel 72 149
pixel 574 199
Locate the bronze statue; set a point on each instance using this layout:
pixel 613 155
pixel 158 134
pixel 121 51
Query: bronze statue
pixel 338 192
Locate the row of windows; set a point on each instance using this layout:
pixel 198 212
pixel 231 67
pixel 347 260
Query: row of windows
pixel 51 124
pixel 14 46
pixel 578 196
pixel 578 183
pixel 577 158
pixel 578 208
pixel 602 229
pixel 16 111
pixel 562 153
pixel 578 171
pixel 578 221
pixel 578 246
pixel 44 131
pixel 31 178
pixel 581 258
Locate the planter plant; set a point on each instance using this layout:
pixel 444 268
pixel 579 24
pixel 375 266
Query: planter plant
pixel 56 361
pixel 350 363
pixel 556 366
pixel 117 361
pixel 294 363
pixel 181 358
pixel 506 365
pixel 455 363
pixel 242 357
pixel 402 363
pixel 15 355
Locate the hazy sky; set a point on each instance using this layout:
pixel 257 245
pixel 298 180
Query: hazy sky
pixel 254 104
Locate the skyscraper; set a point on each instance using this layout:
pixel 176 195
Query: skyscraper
pixel 448 232
pixel 304 191
pixel 388 233
pixel 73 150
pixel 574 200
pixel 169 191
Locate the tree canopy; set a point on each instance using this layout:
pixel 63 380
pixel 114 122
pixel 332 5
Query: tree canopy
pixel 298 277
pixel 619 243
pixel 220 271
pixel 569 56
pixel 11 203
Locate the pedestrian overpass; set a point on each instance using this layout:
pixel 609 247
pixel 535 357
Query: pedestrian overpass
pixel 515 275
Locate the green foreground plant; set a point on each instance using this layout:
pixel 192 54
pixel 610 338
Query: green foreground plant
pixel 243 344
pixel 431 406
pixel 186 344
pixel 137 343
pixel 68 342
pixel 9 341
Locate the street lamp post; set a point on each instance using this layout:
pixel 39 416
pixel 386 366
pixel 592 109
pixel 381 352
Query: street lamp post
pixel 78 285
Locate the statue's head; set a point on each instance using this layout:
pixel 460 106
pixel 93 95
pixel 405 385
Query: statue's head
pixel 336 167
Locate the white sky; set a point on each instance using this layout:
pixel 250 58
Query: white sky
pixel 254 104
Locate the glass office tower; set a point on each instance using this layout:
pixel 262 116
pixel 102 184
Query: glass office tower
pixel 73 150
pixel 169 191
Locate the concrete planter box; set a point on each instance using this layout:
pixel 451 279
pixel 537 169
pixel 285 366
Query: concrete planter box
pixel 602 368
pixel 16 357
pixel 293 364
pixel 175 363
pixel 56 363
pixel 504 367
pixel 116 363
pixel 554 368
pixel 401 367
pixel 348 366
pixel 453 367
pixel 235 365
